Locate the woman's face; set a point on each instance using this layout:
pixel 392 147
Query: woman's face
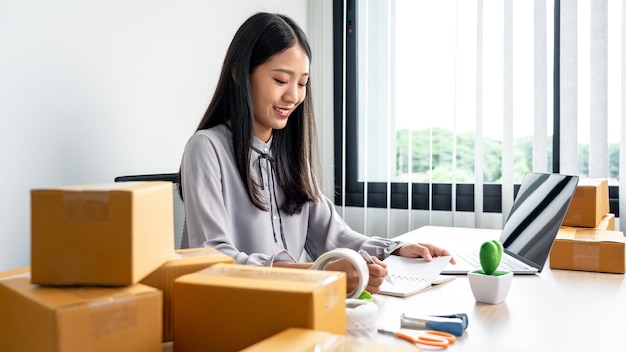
pixel 278 87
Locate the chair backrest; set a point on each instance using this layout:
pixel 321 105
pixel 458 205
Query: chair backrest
pixel 180 240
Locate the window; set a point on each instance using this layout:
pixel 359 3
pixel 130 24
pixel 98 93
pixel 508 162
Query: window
pixel 448 103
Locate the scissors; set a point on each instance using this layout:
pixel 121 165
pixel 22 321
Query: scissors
pixel 432 338
pixel 453 324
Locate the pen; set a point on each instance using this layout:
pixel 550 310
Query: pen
pixel 368 258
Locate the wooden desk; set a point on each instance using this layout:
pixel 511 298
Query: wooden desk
pixel 556 310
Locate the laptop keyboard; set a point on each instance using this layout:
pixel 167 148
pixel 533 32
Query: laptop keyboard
pixel 507 263
pixel 510 264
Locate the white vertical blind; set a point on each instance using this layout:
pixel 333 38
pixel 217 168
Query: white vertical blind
pixel 478 147
pixel 598 59
pixel 540 86
pixel 592 90
pixel 438 71
pixel 507 113
pixel 569 88
pixel 622 114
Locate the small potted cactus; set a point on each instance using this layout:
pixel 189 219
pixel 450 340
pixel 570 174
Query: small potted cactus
pixel 490 285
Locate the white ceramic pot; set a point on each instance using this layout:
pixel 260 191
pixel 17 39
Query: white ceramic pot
pixel 488 288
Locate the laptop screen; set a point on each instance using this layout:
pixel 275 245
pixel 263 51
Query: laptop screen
pixel 537 213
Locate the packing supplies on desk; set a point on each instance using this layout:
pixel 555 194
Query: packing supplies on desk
pixel 64 319
pixel 588 250
pixel 307 340
pixel 101 234
pixel 228 307
pixel 185 261
pixel 589 204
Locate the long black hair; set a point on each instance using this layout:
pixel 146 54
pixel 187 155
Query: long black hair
pixel 293 147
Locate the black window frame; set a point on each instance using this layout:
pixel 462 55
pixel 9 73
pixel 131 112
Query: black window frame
pixel 439 195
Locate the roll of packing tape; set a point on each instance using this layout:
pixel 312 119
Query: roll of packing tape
pixel 352 256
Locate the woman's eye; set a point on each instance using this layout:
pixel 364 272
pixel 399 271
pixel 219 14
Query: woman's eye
pixel 303 85
pixel 279 81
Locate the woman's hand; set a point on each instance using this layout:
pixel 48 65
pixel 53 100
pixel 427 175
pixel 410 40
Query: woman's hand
pixel 424 250
pixel 377 272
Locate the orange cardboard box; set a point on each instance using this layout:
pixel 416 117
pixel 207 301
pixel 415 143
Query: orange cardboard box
pixel 227 307
pixel 101 234
pixel 589 204
pixel 607 222
pixel 588 250
pixel 307 340
pixel 185 261
pixel 25 271
pixel 64 319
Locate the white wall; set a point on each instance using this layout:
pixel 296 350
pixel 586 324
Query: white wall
pixel 90 90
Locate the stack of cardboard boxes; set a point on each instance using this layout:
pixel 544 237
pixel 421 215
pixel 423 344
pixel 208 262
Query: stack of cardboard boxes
pixel 99 274
pixel 587 239
pixel 104 276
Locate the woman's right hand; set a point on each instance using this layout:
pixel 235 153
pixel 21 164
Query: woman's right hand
pixel 377 273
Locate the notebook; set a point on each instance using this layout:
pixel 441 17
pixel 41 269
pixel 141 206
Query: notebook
pixel 530 229
pixel 411 275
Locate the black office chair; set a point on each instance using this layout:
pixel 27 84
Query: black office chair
pixel 180 227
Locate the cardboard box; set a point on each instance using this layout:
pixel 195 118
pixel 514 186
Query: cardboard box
pixel 101 234
pixel 25 271
pixel 589 204
pixel 63 319
pixel 185 261
pixel 588 250
pixel 306 340
pixel 227 307
pixel 607 223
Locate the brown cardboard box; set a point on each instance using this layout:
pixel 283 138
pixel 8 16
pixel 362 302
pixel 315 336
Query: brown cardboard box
pixel 25 271
pixel 588 250
pixel 306 340
pixel 607 223
pixel 101 234
pixel 227 307
pixel 185 261
pixel 63 319
pixel 589 204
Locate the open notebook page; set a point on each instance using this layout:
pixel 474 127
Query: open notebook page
pixel 411 275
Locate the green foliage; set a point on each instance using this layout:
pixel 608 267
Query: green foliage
pixel 439 167
pixel 614 160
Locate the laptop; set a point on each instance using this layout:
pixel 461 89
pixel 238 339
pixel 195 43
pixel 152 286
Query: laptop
pixel 530 229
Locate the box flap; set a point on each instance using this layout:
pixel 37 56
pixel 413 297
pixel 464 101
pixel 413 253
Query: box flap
pixel 262 277
pixel 54 297
pixel 589 235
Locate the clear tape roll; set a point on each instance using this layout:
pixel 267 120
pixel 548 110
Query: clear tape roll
pixel 352 256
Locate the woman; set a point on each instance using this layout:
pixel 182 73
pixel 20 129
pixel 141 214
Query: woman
pixel 247 174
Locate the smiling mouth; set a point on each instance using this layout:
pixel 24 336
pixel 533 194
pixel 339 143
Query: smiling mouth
pixel 283 112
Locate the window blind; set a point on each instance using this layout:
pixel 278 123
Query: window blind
pixel 495 83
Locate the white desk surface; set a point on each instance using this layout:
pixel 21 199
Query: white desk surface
pixel 556 310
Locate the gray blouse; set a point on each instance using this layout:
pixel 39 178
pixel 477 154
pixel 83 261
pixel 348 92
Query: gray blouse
pixel 219 213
